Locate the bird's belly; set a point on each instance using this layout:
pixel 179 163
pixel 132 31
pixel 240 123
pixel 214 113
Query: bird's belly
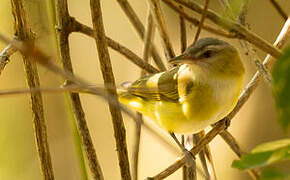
pixel 172 117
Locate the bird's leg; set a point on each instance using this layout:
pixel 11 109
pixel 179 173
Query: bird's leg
pixel 187 154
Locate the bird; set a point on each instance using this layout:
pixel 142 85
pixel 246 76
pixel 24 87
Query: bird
pixel 200 89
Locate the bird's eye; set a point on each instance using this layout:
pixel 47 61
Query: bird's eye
pixel 207 54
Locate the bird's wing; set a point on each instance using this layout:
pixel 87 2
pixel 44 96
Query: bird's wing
pixel 160 86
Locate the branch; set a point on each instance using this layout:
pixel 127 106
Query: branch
pixel 137 24
pixel 231 141
pixel 5 55
pixel 195 21
pixel 240 31
pixel 23 33
pixel 220 126
pixel 65 28
pixel 108 76
pixel 160 23
pixel 201 20
pixel 279 9
pixel 78 27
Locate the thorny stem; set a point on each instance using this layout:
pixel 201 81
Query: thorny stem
pixel 23 33
pixel 220 126
pixel 64 24
pixel 108 76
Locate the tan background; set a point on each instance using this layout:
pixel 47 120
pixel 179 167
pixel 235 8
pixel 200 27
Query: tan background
pixel 256 123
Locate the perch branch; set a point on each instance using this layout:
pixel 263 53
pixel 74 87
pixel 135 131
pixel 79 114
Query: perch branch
pixel 108 76
pixel 64 30
pixel 137 24
pixel 23 33
pixel 220 126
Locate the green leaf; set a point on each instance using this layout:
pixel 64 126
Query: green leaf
pixel 281 88
pixel 265 154
pixel 274 174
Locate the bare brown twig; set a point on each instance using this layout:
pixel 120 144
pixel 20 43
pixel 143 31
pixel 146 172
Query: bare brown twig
pixel 24 33
pixel 5 55
pixel 78 27
pixel 64 30
pixel 128 10
pixel 201 20
pixel 149 35
pixel 220 126
pixel 195 21
pixel 160 24
pixel 240 31
pixel 279 9
pixel 108 76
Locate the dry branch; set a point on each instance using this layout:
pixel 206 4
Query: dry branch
pixel 5 55
pixel 24 33
pixel 78 27
pixel 195 21
pixel 137 24
pixel 65 28
pixel 109 80
pixel 240 31
pixel 201 20
pixel 160 23
pixel 279 9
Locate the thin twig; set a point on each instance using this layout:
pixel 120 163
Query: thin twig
pixel 232 142
pixel 220 126
pixel 279 9
pixel 204 156
pixel 78 27
pixel 149 34
pixel 160 24
pixel 5 55
pixel 108 76
pixel 137 24
pixel 240 31
pixel 23 33
pixel 201 20
pixel 183 36
pixel 183 45
pixel 64 29
pixel 195 21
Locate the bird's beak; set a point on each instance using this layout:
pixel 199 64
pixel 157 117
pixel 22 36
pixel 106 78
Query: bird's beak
pixel 183 58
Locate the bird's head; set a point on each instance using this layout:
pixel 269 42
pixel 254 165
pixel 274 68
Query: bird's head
pixel 213 55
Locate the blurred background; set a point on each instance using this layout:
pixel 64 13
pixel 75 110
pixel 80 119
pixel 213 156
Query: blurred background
pixel 254 124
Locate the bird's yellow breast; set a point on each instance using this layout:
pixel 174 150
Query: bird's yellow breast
pixel 203 100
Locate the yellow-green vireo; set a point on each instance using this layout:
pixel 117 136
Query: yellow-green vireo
pixel 201 90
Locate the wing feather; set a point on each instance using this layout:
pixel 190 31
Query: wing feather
pixel 160 86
